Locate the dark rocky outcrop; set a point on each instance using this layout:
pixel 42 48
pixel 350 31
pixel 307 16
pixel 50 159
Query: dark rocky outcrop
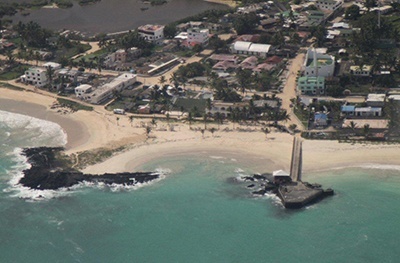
pixel 292 194
pixel 50 171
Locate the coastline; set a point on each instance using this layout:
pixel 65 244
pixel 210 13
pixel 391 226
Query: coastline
pixel 91 130
pixel 229 3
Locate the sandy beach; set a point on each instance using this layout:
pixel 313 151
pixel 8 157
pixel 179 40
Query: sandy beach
pixel 91 130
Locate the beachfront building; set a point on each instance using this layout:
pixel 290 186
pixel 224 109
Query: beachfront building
pixel 249 48
pixel 83 91
pixel 197 36
pixel 106 91
pixel 329 5
pixel 224 108
pixel 318 64
pixel 311 85
pixel 36 76
pixel 152 33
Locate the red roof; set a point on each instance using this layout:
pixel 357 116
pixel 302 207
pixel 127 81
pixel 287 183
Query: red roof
pixel 273 60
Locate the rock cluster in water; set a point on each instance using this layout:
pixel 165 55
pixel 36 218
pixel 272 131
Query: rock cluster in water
pixel 292 194
pixel 50 172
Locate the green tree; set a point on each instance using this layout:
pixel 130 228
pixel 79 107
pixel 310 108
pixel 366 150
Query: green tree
pixel 366 130
pixel 352 12
pixel 243 76
pixel 170 30
pixel 50 75
pixel 162 80
pixel 212 130
pixel 246 23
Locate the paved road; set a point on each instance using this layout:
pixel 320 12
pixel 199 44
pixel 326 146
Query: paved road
pixel 289 90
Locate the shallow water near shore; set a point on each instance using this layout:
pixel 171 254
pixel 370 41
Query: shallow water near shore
pixel 197 214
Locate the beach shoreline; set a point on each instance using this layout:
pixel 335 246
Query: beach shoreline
pixel 91 130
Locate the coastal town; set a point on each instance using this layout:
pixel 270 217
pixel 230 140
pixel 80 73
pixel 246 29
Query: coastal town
pixel 327 70
pixel 199 130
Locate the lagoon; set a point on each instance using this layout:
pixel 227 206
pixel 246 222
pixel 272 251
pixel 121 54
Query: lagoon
pixel 110 16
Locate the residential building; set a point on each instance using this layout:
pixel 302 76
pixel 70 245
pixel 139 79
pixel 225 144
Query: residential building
pixel 311 85
pixel 224 108
pixel 318 65
pixel 83 91
pixel 152 33
pixel 52 65
pixel 71 75
pixel 224 57
pixel 365 71
pixel 320 119
pixel 197 36
pixel 368 112
pixel 329 5
pixel 36 76
pixel 224 66
pixel 249 48
pixel 348 110
pixel 376 100
pixel 249 63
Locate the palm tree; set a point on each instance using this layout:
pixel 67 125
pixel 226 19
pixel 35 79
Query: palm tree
pixel 99 63
pixel 190 118
pixel 131 119
pixel 218 118
pixel 174 79
pixel 10 57
pixel 353 126
pixel 212 130
pixel 50 74
pixel 82 62
pixel 366 130
pixel 154 122
pixel 162 80
pixel 168 118
pixel 148 130
pixel 266 131
pixel 37 57
pixel 205 117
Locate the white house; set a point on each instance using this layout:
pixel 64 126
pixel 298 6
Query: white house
pixel 365 71
pixel 318 65
pixel 53 65
pixel 368 111
pixel 329 5
pixel 152 33
pixel 83 91
pixel 36 76
pixel 249 48
pixel 197 36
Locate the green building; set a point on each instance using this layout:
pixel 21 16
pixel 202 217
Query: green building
pixel 311 85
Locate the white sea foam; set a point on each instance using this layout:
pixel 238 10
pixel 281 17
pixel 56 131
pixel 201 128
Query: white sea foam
pixel 381 166
pixel 368 166
pixel 17 190
pixel 32 131
pixel 217 157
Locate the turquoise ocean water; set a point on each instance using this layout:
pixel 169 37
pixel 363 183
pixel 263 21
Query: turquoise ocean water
pixel 195 214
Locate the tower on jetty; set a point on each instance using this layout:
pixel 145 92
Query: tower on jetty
pixel 294 193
